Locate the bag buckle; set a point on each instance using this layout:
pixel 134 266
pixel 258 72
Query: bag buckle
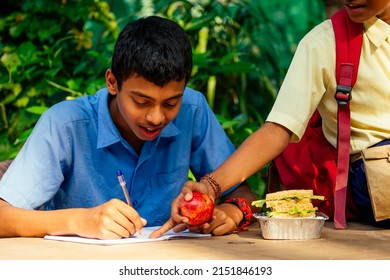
pixel 343 95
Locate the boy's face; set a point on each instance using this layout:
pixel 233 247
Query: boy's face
pixel 142 109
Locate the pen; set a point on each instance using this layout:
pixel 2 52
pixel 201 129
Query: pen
pixel 122 182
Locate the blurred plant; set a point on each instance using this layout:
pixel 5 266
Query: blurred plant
pixel 47 54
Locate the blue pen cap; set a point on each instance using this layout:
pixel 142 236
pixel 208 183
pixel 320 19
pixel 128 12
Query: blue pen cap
pixel 121 178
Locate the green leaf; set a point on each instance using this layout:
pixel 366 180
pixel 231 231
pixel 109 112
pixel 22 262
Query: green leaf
pixel 11 61
pixel 198 23
pixel 80 67
pixel 52 72
pixel 38 110
pixel 22 102
pixel 23 137
pixel 26 51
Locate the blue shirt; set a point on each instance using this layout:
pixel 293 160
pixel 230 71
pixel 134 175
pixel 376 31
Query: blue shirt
pixel 71 158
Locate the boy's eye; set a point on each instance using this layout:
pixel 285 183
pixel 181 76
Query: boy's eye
pixel 140 102
pixel 171 104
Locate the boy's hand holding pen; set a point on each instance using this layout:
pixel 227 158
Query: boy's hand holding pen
pixel 122 182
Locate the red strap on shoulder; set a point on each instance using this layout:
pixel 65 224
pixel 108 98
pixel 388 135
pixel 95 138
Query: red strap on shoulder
pixel 348 37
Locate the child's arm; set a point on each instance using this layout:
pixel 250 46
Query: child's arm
pixel 113 219
pixel 255 152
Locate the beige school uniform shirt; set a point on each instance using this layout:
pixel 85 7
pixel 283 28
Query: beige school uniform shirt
pixel 310 83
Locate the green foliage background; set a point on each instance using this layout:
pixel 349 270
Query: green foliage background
pixel 51 50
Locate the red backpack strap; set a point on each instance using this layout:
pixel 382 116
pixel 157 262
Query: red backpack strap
pixel 348 37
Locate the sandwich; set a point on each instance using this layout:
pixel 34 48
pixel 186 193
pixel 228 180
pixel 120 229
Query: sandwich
pixel 289 204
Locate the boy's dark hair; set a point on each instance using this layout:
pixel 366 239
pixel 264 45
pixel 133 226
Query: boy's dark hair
pixel 154 48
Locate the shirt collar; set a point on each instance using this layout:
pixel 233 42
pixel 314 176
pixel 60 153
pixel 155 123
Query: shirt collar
pixel 108 134
pixel 170 130
pixel 377 31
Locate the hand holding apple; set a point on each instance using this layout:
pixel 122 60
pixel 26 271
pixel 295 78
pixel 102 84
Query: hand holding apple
pixel 198 210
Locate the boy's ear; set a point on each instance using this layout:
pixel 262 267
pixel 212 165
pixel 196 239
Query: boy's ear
pixel 111 83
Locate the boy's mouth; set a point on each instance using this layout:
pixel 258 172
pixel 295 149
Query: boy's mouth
pixel 149 132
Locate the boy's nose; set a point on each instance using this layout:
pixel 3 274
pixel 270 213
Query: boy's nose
pixel 155 116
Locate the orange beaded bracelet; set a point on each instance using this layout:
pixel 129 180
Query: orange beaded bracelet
pixel 214 184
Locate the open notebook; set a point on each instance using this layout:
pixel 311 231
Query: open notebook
pixel 144 237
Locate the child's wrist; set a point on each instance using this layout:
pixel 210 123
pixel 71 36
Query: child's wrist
pixel 214 189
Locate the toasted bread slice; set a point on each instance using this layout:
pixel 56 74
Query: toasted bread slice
pixel 288 194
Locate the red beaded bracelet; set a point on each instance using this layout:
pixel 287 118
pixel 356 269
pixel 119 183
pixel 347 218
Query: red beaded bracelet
pixel 214 184
pixel 246 210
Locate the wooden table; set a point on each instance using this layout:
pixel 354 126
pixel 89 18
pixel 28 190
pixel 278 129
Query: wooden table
pixel 358 242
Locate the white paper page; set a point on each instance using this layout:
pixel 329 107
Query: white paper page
pixel 133 239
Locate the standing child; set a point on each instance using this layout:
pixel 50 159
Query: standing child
pixel 145 123
pixel 310 84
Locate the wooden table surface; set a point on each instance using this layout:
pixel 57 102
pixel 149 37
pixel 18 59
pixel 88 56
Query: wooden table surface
pixel 358 242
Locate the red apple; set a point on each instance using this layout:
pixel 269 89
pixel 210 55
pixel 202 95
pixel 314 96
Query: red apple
pixel 198 210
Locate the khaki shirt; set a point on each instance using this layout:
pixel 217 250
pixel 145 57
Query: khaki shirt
pixel 310 83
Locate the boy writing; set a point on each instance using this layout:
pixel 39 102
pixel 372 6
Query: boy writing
pixel 146 123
